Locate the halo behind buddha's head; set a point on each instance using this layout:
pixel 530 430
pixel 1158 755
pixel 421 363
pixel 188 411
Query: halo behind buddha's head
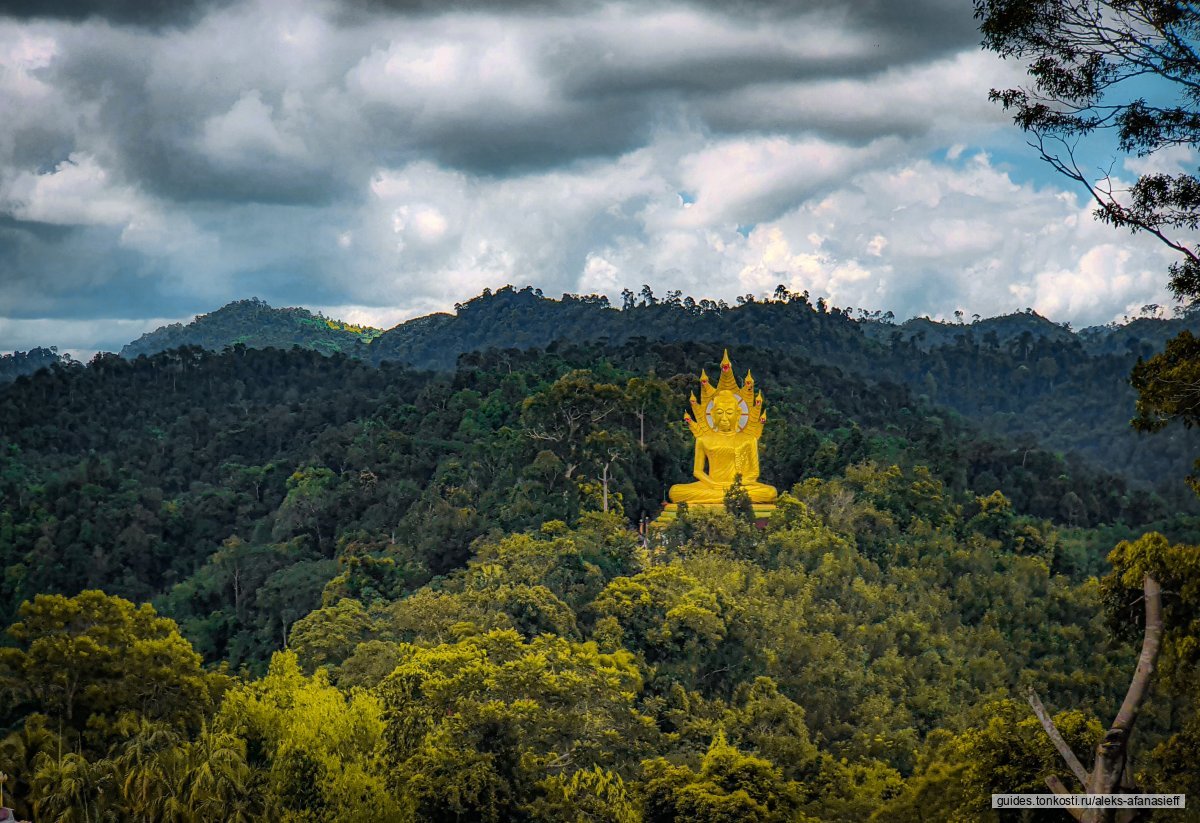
pixel 748 401
pixel 729 399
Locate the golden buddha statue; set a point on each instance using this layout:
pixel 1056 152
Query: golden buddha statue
pixel 726 422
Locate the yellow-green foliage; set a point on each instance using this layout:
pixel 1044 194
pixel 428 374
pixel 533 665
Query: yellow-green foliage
pixel 86 661
pixel 1177 569
pixel 863 657
pixel 1008 752
pixel 320 746
pixel 473 726
pixel 366 333
pixel 730 786
pixel 587 796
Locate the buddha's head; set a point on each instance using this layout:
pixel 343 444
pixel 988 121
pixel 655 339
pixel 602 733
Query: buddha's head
pixel 726 411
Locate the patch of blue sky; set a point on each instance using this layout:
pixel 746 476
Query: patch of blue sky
pixel 1097 154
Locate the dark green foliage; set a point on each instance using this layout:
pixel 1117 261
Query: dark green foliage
pixel 1019 375
pixel 737 500
pixel 237 487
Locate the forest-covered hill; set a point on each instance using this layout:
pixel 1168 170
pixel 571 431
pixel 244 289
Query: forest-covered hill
pixel 255 324
pixel 470 635
pixel 127 476
pixel 1019 375
pixel 20 363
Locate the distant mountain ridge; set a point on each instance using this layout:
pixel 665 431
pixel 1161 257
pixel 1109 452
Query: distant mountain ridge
pixel 1021 375
pixel 524 318
pixel 1114 338
pixel 21 363
pixel 255 324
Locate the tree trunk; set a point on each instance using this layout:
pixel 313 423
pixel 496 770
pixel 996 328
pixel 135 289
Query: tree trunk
pixel 1111 770
pixel 1113 750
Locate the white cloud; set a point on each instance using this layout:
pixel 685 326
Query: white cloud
pixel 22 54
pixel 944 100
pixel 453 67
pixel 1103 277
pixel 600 276
pixel 1170 160
pixel 248 132
pixel 914 236
pixel 970 236
pixel 745 180
pixel 79 191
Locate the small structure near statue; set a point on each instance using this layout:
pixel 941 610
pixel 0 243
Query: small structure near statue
pixel 727 422
pixel 6 814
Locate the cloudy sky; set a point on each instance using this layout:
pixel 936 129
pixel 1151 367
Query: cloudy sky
pixel 382 159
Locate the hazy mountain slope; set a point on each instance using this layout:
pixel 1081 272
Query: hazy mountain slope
pixel 1140 337
pixel 929 334
pixel 21 363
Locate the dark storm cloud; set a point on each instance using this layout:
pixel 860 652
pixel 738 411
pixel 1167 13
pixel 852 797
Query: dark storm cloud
pixel 888 34
pixel 14 233
pixel 514 142
pixel 55 270
pixel 123 12
pixel 696 74
pixel 151 125
pixel 607 90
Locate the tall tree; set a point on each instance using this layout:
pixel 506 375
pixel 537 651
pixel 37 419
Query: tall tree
pixel 1131 69
pixel 86 660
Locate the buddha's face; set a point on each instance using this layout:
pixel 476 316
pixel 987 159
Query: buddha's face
pixel 725 413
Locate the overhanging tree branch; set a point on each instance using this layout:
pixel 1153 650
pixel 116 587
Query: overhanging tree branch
pixel 1078 54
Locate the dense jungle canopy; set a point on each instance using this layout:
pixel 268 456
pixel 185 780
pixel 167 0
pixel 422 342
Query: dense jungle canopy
pixel 280 584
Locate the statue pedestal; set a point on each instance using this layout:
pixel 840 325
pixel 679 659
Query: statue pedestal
pixel 762 513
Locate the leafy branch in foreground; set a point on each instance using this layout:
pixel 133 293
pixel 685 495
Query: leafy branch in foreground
pixel 1082 57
